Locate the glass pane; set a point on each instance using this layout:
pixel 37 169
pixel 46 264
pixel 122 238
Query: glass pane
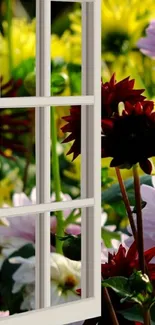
pixel 18 161
pixel 17 245
pixel 17 52
pixel 18 49
pixel 66 49
pixel 66 257
pixel 17 157
pixel 65 172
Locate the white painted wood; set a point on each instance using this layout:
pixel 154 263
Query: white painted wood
pixel 59 315
pixel 44 207
pixel 91 151
pixel 43 177
pixel 18 102
pixel 91 188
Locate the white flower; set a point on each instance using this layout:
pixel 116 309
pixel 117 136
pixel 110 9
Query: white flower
pixel 65 279
pixel 148 213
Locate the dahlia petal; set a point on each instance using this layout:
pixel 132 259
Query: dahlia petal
pixel 132 252
pixel 69 138
pixel 107 124
pixel 128 107
pixel 131 83
pixel 146 166
pixel 152 116
pixel 149 254
pixel 138 109
pixel 112 80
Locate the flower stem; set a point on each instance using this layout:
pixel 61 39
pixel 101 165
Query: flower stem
pixel 9 34
pixel 126 202
pixel 110 307
pixel 146 317
pixel 57 184
pixel 140 241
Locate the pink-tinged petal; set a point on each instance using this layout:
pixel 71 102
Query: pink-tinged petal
pixel 73 229
pixel 148 194
pixel 4 313
pixel 20 199
pixel 53 224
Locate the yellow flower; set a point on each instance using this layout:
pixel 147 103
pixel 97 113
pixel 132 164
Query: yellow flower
pixel 23 43
pixel 123 23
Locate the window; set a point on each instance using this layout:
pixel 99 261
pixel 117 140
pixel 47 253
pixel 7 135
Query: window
pixel 89 306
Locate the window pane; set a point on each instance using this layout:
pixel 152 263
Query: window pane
pixel 17 53
pixel 65 172
pixel 66 49
pixel 17 157
pixel 17 242
pixel 18 49
pixel 18 260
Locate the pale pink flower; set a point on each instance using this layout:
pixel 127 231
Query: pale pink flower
pixel 148 213
pixel 147 44
pixel 4 313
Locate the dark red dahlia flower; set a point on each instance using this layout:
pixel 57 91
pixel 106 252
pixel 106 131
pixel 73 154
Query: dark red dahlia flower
pixel 123 263
pixel 73 127
pixel 128 138
pixel 114 92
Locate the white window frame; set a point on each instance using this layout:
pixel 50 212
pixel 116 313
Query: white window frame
pixel 90 100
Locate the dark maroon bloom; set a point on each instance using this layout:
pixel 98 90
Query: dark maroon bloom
pixel 128 138
pixel 124 262
pixel 73 127
pixel 114 93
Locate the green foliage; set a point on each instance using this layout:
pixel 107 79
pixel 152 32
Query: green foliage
pixel 137 288
pixel 72 247
pixel 113 194
pixel 108 235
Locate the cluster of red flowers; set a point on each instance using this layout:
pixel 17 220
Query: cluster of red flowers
pixel 14 123
pixel 122 263
pixel 127 135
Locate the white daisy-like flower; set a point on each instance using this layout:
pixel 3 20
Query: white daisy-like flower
pixel 65 280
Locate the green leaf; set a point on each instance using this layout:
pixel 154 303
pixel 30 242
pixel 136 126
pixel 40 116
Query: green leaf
pixel 108 235
pixel 133 314
pixel 113 194
pixel 119 284
pixel 72 247
pixel 22 70
pixel 59 81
